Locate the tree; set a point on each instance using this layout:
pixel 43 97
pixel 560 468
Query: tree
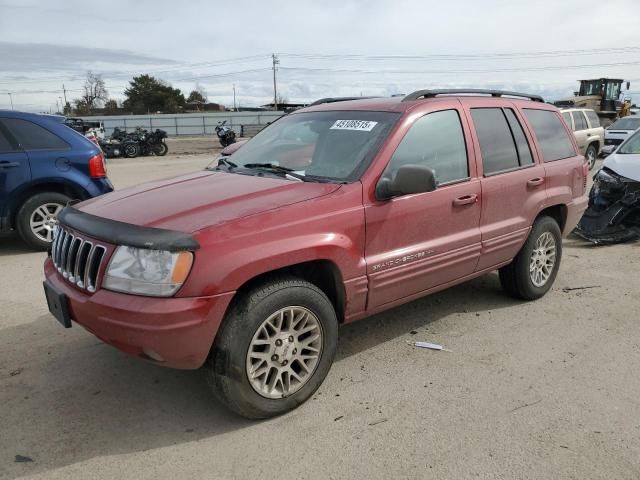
pixel 198 95
pixel 282 100
pixel 111 105
pixel 148 94
pixel 67 109
pixel 95 93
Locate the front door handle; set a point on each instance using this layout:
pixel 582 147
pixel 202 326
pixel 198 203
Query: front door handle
pixel 534 182
pixel 6 164
pixel 465 200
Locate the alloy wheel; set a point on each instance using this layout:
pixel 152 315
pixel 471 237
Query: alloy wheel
pixel 284 352
pixel 543 259
pixel 43 221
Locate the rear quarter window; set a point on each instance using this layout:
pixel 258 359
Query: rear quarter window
pixel 31 136
pixel 551 134
pixel 593 118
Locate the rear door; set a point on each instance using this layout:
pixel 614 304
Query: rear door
pixel 417 242
pixel 49 155
pixel 513 182
pixel 14 171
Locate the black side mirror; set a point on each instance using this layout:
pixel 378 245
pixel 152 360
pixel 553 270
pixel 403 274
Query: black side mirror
pixel 408 180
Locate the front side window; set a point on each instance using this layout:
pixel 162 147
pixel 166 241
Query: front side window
pixel 335 145
pixel 5 144
pixel 33 137
pixel 551 134
pixel 435 141
pixel 579 122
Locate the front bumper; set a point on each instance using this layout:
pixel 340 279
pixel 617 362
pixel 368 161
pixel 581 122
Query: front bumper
pixel 173 332
pixel 607 149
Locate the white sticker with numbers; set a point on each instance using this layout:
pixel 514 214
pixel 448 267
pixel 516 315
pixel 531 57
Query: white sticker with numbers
pixel 359 125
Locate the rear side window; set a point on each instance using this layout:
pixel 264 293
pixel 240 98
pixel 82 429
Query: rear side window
pixel 593 118
pixel 567 118
pixel 551 134
pixel 34 137
pixel 502 141
pixel 435 141
pixel 579 122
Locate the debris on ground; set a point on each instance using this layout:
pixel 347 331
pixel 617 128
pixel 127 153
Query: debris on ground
pixel 338 418
pixel 377 422
pixel 570 289
pixel 22 459
pixel 17 371
pixel 431 346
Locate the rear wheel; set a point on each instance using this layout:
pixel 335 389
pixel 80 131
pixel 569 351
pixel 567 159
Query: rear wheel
pixel 591 155
pixel 38 217
pixel 160 149
pixel 531 274
pixel 274 348
pixel 131 150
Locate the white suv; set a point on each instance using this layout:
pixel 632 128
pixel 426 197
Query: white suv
pixel 586 128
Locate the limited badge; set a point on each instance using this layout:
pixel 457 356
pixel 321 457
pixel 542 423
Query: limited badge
pixel 358 125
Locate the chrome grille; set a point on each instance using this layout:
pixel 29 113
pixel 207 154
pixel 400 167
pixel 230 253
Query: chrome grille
pixel 76 259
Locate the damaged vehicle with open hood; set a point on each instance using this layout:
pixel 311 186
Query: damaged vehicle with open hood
pixel 613 214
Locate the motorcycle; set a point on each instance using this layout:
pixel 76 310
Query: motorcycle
pixel 226 135
pixel 153 143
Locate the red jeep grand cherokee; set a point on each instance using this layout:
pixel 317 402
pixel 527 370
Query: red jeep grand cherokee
pixel 330 214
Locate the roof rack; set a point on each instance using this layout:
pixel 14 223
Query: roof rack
pixel 336 99
pixel 476 91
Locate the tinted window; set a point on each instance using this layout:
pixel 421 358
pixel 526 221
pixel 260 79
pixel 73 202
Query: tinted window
pixel 567 118
pixel 579 122
pixel 551 134
pixel 593 118
pixel 435 141
pixel 522 145
pixel 34 137
pixel 496 142
pixel 5 144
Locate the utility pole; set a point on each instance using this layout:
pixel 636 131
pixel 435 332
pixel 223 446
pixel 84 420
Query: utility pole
pixel 234 98
pixel 65 95
pixel 57 106
pixel 62 109
pixel 11 100
pixel 275 90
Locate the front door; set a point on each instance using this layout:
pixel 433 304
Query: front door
pixel 14 172
pixel 417 242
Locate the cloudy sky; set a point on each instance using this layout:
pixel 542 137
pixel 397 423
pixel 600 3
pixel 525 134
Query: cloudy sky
pixel 325 48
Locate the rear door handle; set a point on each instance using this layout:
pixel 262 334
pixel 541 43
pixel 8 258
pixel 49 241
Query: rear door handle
pixel 465 200
pixel 6 164
pixel 534 182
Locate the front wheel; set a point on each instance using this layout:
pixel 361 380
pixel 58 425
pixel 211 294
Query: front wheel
pixel 531 274
pixel 274 348
pixel 160 149
pixel 591 155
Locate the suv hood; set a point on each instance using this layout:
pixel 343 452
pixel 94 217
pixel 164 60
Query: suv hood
pixel 624 164
pixel 195 201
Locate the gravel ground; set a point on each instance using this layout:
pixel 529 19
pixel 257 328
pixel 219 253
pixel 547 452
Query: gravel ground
pixel 544 390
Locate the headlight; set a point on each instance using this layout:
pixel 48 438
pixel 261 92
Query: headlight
pixel 147 272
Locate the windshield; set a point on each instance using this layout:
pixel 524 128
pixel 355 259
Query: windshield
pixel 627 123
pixel 631 145
pixel 335 145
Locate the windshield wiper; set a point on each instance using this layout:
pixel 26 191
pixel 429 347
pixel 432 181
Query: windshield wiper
pixel 226 162
pixel 278 169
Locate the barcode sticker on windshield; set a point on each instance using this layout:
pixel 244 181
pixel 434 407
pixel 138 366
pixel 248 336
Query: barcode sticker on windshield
pixel 360 125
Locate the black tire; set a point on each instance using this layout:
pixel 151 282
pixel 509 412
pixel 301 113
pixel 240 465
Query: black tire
pixel 23 218
pixel 591 154
pixel 226 368
pixel 515 277
pixel 131 150
pixel 160 149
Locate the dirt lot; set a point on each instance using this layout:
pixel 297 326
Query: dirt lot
pixel 545 390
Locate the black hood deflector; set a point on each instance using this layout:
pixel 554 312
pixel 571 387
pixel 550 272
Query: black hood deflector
pixel 120 233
